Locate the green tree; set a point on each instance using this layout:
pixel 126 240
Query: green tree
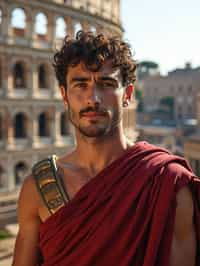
pixel 145 68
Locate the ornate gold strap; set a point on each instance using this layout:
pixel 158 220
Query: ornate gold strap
pixel 49 184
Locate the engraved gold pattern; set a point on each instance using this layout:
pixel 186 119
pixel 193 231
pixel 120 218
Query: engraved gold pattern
pixel 44 173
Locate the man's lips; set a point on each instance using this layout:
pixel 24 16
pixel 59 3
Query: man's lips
pixel 93 114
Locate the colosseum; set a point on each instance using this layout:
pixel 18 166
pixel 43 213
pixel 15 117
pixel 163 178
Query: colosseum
pixel 33 123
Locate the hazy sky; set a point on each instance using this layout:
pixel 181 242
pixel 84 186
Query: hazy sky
pixel 167 32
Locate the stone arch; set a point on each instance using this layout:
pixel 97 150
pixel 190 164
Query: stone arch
pixel 43 76
pixel 18 21
pixel 41 25
pixel 61 28
pixel 44 125
pixel 20 172
pixel 64 124
pixel 19 75
pixel 77 27
pixel 20 125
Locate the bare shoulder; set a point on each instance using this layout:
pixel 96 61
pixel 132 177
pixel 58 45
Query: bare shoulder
pixel 29 189
pixel 184 198
pixel 26 246
pixel 184 212
pixel 183 249
pixel 28 202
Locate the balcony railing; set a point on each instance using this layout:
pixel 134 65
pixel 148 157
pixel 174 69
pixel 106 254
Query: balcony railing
pixel 19 92
pixel 21 143
pixel 44 141
pixel 44 93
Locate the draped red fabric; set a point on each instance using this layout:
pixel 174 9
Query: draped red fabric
pixel 124 215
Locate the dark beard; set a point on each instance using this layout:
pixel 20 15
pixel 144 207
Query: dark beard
pixel 108 130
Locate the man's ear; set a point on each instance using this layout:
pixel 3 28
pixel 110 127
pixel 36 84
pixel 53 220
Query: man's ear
pixel 64 95
pixel 127 95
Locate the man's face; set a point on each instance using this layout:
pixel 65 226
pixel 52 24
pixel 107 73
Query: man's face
pixel 94 99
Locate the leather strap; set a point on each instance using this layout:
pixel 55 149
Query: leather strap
pixel 49 184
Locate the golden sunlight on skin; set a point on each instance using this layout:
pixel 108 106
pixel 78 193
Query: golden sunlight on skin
pixel 94 99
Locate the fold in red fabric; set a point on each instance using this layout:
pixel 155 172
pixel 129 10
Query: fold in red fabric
pixel 124 215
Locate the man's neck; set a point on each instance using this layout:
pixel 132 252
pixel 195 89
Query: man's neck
pixel 95 155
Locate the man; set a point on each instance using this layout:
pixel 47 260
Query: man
pixel 124 204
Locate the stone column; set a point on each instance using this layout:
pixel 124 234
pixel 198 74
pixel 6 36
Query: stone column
pixel 30 27
pixel 10 131
pixel 9 31
pixel 33 34
pixel 55 88
pixel 9 82
pixel 10 174
pixel 5 23
pixel 4 75
pixel 51 30
pixel 117 14
pixel 34 130
pixel 34 79
pixel 68 25
pixel 56 128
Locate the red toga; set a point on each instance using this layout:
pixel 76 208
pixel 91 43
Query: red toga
pixel 124 215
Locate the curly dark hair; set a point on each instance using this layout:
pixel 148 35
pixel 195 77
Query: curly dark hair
pixel 93 50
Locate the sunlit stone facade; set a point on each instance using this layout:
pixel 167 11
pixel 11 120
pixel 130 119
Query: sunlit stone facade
pixel 192 145
pixel 33 123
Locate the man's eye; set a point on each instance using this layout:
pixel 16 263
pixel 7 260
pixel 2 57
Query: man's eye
pixel 108 85
pixel 81 85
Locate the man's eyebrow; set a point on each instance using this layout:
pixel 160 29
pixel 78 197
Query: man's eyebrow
pixel 106 78
pixel 84 79
pixel 80 79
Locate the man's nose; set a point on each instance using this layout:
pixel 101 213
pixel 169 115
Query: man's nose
pixel 94 97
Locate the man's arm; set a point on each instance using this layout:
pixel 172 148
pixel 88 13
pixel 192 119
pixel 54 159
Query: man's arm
pixel 183 250
pixel 26 247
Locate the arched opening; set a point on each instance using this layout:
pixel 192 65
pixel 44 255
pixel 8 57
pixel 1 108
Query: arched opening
pixel 42 77
pixel 64 124
pixel 44 128
pixel 2 176
pixel 18 21
pixel 19 75
pixel 41 23
pixel 20 126
pixel 21 171
pixel 61 28
pixel 77 28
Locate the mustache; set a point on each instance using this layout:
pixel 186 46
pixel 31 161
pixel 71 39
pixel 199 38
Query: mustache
pixel 101 111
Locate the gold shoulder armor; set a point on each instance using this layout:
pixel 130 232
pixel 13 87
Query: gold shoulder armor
pixel 48 184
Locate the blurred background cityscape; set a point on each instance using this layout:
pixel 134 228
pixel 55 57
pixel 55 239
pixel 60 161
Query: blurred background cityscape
pixel 165 109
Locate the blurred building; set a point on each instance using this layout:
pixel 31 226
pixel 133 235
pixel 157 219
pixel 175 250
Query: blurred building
pixel 169 106
pixel 161 134
pixel 181 86
pixel 33 123
pixel 192 144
